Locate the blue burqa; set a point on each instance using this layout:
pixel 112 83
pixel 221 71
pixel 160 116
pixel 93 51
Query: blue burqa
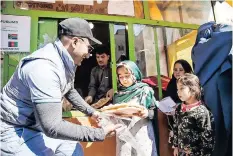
pixel 212 60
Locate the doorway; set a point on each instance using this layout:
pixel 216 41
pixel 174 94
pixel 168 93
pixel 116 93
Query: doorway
pixel 100 31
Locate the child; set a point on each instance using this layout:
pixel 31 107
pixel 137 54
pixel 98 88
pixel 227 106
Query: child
pixel 179 69
pixel 131 87
pixel 193 122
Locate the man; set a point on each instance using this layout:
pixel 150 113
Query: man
pixel 101 78
pixel 31 108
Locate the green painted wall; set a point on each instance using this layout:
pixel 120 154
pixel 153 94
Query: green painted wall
pixel 47 31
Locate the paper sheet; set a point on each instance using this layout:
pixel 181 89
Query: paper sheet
pixel 167 105
pixel 121 7
pixel 80 2
pixel 47 1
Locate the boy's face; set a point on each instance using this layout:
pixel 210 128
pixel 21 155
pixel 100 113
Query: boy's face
pixel 184 92
pixel 125 77
pixel 102 59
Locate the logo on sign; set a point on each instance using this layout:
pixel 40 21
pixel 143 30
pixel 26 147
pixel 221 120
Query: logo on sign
pixel 12 36
pixel 12 44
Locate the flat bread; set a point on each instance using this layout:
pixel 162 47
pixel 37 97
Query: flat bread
pixel 114 112
pixel 101 102
pixel 122 105
pixel 129 110
pixel 114 107
pixel 124 110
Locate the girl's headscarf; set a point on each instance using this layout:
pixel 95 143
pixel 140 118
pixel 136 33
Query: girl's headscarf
pixel 139 90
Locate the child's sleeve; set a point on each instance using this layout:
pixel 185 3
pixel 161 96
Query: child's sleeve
pixel 205 123
pixel 175 130
pixel 148 100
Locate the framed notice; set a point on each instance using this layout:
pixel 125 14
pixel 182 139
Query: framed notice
pixel 15 33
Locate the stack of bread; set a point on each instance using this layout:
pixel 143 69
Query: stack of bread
pixel 123 109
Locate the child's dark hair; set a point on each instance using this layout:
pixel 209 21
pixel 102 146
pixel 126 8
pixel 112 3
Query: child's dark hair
pixel 191 81
pixel 102 49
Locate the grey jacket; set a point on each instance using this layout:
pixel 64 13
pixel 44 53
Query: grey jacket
pixel 32 97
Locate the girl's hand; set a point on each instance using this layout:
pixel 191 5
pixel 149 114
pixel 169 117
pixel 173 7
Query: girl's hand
pixel 175 153
pixel 170 113
pixel 143 114
pixel 187 151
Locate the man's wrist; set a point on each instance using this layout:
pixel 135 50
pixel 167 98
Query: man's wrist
pixel 91 93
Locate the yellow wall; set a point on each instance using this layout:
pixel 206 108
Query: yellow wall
pixel 230 2
pixel 155 13
pixel 181 49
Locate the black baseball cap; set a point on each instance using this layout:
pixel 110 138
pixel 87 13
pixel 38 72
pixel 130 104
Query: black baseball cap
pixel 78 27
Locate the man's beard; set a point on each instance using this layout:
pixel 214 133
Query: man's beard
pixel 102 65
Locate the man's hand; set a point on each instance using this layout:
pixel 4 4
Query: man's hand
pixel 96 116
pixel 110 93
pixel 89 99
pixel 110 129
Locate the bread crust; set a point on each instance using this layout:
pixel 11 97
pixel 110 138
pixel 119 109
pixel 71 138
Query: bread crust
pixel 101 102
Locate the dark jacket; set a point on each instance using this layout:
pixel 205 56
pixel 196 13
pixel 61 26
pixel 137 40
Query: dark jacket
pixel 100 82
pixel 194 130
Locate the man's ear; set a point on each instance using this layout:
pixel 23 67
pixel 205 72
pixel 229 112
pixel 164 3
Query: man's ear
pixel 74 42
pixel 108 57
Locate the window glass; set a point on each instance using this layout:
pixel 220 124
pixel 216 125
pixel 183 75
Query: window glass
pixel 145 49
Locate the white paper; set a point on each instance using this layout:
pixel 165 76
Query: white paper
pixel 80 2
pixel 47 1
pixel 167 105
pixel 15 33
pixel 121 7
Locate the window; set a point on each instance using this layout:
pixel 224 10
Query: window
pixel 145 49
pixel 121 43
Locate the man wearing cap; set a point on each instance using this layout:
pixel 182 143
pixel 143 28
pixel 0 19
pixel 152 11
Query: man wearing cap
pixel 31 102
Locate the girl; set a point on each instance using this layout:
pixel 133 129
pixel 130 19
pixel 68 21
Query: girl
pixel 193 122
pixel 180 68
pixel 131 87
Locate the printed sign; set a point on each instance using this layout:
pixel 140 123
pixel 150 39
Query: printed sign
pixel 15 33
pixel 119 7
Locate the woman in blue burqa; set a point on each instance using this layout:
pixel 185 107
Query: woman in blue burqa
pixel 212 62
